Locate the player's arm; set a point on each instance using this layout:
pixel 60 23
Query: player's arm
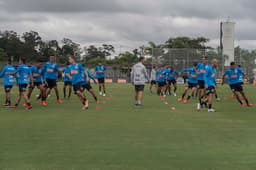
pixel 223 79
pixel 2 73
pixel 132 76
pixel 91 76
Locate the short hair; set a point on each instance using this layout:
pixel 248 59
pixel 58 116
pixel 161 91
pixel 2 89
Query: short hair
pixel 23 60
pixel 232 63
pixel 141 58
pixel 40 60
pixel 195 64
pixel 9 61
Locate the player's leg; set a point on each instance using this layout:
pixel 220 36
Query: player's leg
pixel 175 87
pixel 30 90
pixel 183 94
pixel 245 98
pixel 27 101
pixel 64 89
pixel 69 91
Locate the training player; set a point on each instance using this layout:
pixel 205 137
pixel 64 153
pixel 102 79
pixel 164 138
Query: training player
pixel 171 76
pixel 201 69
pixel 67 82
pixel 161 81
pixel 8 73
pixel 51 71
pixel 87 85
pixel 37 74
pixel 100 75
pixel 139 77
pixel 152 78
pixel 192 83
pixel 210 84
pixel 75 74
pixel 24 75
pixel 233 74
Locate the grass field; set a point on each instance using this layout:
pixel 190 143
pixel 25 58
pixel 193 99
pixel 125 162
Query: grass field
pixel 120 136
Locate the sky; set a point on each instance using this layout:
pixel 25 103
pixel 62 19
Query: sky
pixel 129 23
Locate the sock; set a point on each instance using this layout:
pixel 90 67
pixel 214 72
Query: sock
pixel 246 100
pixel 29 104
pixel 188 97
pixel 183 95
pixel 210 106
pixel 95 98
pixel 175 89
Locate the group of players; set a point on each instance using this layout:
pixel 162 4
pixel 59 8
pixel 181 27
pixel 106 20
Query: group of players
pixel 201 81
pixel 44 76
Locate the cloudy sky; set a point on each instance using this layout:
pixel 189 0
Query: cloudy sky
pixel 129 23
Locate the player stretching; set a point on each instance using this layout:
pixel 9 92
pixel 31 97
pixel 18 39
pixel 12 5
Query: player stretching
pixel 8 73
pixel 51 71
pixel 192 83
pixel 233 74
pixel 87 85
pixel 36 71
pixel 152 78
pixel 67 82
pixel 75 71
pixel 100 75
pixel 210 84
pixel 23 74
pixel 139 77
pixel 171 75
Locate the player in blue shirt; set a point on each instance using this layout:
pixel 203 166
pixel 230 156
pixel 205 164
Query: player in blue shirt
pixel 161 81
pixel 87 85
pixel 201 69
pixel 210 84
pixel 171 76
pixel 24 77
pixel 75 72
pixel 67 82
pixel 8 73
pixel 232 75
pixel 51 72
pixel 100 75
pixel 192 83
pixel 37 74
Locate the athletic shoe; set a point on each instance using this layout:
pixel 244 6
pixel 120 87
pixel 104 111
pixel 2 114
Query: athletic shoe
pixel 43 103
pixel 100 93
pixel 180 99
pixel 29 107
pixel 164 95
pixel 198 106
pixel 243 105
pixel 60 101
pixel 86 105
pixel 233 96
pixel 211 110
pixel 97 101
pixel 13 107
pixel 249 105
pixel 104 95
pixel 185 101
pixel 174 94
pixel 218 99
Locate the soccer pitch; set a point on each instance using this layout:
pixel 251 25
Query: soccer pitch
pixel 120 136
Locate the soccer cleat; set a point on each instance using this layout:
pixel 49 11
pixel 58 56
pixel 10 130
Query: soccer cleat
pixel 104 95
pixel 100 93
pixel 29 107
pixel 211 110
pixel 218 99
pixel 86 105
pixel 233 96
pixel 97 101
pixel 43 103
pixel 60 101
pixel 198 106
pixel 243 105
pixel 24 105
pixel 180 99
pixel 185 101
pixel 249 105
pixel 174 94
pixel 14 107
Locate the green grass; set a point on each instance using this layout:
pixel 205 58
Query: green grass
pixel 120 136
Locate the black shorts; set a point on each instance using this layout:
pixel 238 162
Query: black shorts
pixel 37 84
pixel 7 88
pixel 210 90
pixel 22 87
pixel 87 87
pixel 51 83
pixel 192 85
pixel 67 83
pixel 139 88
pixel 236 87
pixel 153 82
pixel 201 84
pixel 101 80
pixel 172 81
pixel 77 87
pixel 161 84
